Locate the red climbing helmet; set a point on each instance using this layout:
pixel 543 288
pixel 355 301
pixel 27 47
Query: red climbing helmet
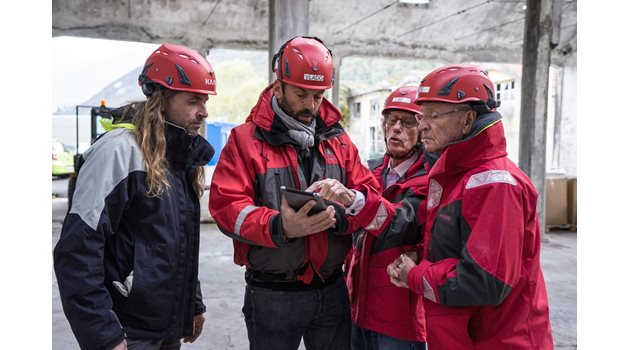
pixel 178 68
pixel 459 84
pixel 403 98
pixel 304 62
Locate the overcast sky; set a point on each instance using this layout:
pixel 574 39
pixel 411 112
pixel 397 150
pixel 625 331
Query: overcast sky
pixel 82 66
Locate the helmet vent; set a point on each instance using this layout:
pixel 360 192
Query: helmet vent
pixel 286 70
pixel 298 53
pixel 460 95
pixel 489 91
pixel 183 78
pixel 189 58
pixel 446 89
pixel 169 80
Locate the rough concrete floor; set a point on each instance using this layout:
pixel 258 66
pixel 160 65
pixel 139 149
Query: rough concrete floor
pixel 223 287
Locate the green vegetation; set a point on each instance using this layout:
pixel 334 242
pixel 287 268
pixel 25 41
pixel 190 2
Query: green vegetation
pixel 238 89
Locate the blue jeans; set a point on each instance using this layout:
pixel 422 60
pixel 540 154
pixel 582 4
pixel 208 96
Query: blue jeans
pixel 363 339
pixel 277 320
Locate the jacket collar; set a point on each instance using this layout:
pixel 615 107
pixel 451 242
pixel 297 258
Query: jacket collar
pixel 484 142
pixel 262 113
pixel 186 149
pixel 274 132
pixel 379 166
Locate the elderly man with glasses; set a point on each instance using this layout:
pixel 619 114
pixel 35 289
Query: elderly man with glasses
pixel 385 316
pixel 480 274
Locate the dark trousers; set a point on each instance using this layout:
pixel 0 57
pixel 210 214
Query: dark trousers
pixel 363 339
pixel 153 344
pixel 277 320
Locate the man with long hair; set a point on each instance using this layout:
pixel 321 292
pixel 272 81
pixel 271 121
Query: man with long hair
pixel 127 258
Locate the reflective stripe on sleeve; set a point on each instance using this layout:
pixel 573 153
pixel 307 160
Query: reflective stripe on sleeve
pixel 490 176
pixel 241 217
pixel 379 219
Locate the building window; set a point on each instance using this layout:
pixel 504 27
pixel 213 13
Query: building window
pixel 356 110
pixel 372 139
pixel 374 107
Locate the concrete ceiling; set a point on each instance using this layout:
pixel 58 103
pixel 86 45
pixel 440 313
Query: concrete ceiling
pixel 445 30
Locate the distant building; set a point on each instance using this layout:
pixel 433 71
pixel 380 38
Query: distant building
pixel 507 89
pixel 365 122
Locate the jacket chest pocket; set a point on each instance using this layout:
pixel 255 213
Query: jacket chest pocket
pixel 269 186
pixel 449 232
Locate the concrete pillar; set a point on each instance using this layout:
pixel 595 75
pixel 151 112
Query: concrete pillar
pixel 557 121
pixel 534 89
pixel 287 19
pixel 335 89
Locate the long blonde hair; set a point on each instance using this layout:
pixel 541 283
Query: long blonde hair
pixel 149 119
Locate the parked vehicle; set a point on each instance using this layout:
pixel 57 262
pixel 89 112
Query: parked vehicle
pixel 62 159
pixel 97 113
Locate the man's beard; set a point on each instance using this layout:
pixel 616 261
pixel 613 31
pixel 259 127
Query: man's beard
pixel 296 115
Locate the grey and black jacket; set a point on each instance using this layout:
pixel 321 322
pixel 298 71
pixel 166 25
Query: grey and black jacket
pixel 115 230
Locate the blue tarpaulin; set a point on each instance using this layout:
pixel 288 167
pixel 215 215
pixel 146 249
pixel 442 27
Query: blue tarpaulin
pixel 217 134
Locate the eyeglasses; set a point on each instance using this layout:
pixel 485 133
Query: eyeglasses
pixel 435 116
pixel 407 123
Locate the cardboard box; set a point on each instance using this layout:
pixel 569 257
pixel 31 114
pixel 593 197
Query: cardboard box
pixel 572 200
pixel 556 209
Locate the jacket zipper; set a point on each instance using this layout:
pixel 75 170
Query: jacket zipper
pixel 276 175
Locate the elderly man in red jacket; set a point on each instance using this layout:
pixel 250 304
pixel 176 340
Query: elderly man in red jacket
pixel 480 275
pixel 385 316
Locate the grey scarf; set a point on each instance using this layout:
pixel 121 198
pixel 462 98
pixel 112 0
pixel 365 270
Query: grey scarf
pixel 304 135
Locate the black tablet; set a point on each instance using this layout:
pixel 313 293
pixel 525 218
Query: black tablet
pixel 297 199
